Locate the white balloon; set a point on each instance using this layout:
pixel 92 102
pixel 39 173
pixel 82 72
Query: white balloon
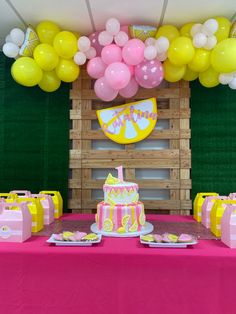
pixel 8 39
pixel 113 26
pixel 80 58
pixel 91 53
pixel 225 78
pixel 84 43
pixel 121 39
pixel 17 36
pixel 211 42
pixel 162 44
pixel 205 30
pixel 150 41
pixel 105 38
pixel 232 84
pixel 199 40
pixel 10 50
pixel 212 25
pixel 150 53
pixel 162 56
pixel 196 28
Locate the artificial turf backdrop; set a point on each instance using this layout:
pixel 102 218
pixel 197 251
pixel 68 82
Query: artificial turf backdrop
pixel 213 140
pixel 34 136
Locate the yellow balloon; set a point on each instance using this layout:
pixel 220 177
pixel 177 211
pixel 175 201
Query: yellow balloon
pixel 50 82
pixel 46 57
pixel 173 73
pixel 67 70
pixel 65 44
pixel 46 31
pixel 223 56
pixel 224 26
pixel 190 75
pixel 201 60
pixel 169 31
pixel 209 78
pixel 26 72
pixel 181 51
pixel 185 30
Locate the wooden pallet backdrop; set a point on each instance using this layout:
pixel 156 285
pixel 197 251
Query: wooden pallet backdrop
pixel 85 159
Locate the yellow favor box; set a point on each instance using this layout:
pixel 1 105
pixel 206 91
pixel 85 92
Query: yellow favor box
pixel 9 197
pixel 57 200
pixel 197 204
pixel 216 215
pixel 36 211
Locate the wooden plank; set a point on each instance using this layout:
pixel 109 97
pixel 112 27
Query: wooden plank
pixel 156 134
pixel 86 94
pixel 136 163
pixel 162 114
pixel 143 184
pixel 132 154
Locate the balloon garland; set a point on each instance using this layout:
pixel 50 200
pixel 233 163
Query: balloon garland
pixel 123 58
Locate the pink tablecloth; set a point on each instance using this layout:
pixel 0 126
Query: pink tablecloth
pixel 117 277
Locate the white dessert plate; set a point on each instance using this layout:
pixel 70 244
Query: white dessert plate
pixel 168 245
pixel 74 243
pixel 148 227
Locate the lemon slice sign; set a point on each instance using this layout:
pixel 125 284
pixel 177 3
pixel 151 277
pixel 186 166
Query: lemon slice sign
pixel 129 123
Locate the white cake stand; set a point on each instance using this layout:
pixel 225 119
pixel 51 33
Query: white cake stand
pixel 148 227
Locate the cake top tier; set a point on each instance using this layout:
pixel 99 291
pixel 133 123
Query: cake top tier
pixel 114 183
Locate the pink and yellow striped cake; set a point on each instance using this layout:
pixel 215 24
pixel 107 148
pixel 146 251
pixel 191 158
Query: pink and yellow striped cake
pixel 121 211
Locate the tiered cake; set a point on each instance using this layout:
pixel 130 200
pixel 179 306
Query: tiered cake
pixel 121 211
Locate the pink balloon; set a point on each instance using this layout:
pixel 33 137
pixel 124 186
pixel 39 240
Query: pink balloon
pixel 96 67
pixel 117 75
pixel 95 43
pixel 131 69
pixel 103 90
pixel 133 51
pixel 111 53
pixel 149 74
pixel 130 90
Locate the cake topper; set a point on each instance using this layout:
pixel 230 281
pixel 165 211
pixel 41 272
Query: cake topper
pixel 120 173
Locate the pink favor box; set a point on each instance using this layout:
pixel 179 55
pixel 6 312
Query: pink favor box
pixel 206 209
pixel 48 206
pixel 232 196
pixel 228 226
pixel 15 224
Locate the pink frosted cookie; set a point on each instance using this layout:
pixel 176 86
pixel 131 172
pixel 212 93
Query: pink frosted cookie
pixel 58 237
pixel 79 235
pixel 169 238
pixel 184 237
pixel 157 238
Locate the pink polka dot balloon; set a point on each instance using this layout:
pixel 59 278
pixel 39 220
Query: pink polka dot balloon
pixel 94 42
pixel 149 74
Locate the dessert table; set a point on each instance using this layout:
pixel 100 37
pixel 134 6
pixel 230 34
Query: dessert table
pixel 117 276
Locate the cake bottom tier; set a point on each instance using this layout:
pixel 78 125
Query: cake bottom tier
pixel 120 218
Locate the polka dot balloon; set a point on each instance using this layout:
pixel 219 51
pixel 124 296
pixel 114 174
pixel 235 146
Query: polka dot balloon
pixel 149 74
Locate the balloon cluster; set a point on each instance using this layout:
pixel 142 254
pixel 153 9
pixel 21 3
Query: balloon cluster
pixel 13 41
pixel 228 79
pixel 51 61
pixel 86 51
pixel 203 34
pixel 121 66
pixel 156 48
